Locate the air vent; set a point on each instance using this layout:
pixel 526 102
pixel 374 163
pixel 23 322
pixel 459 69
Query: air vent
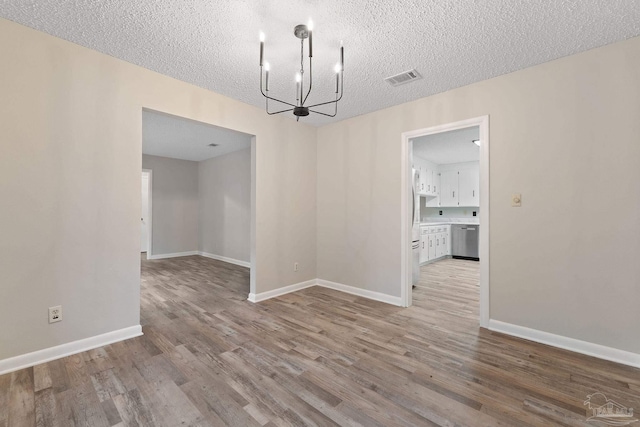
pixel 213 145
pixel 403 78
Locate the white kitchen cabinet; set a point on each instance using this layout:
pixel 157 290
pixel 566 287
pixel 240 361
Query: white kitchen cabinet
pixel 424 244
pixel 434 242
pixel 469 186
pixel 447 240
pixel 422 181
pixel 460 185
pixel 428 173
pixel 435 182
pixel 432 246
pixel 449 188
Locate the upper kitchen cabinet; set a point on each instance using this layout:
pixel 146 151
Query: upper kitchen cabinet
pixel 428 173
pixel 449 188
pixel 460 185
pixel 469 186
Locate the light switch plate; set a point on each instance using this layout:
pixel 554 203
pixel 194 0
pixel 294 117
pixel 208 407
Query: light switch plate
pixel 516 200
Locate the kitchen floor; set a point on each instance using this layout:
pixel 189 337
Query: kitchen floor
pixel 316 357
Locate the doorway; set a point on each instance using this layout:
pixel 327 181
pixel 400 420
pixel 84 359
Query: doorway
pixel 198 188
pixel 407 204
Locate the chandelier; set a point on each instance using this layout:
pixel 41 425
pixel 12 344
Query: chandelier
pixel 303 32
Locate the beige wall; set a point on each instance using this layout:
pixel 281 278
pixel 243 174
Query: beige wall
pixel 174 197
pixel 70 158
pixel 224 200
pixel 565 134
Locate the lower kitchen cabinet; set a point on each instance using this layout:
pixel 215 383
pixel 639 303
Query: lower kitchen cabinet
pixel 434 242
pixel 424 245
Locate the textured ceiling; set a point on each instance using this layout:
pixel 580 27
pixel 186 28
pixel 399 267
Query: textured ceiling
pixel 443 148
pixel 170 136
pixel 214 44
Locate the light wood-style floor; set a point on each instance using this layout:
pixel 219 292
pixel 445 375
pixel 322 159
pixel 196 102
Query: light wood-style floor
pixel 316 357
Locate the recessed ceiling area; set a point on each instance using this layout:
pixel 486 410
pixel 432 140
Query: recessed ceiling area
pixel 214 44
pixel 444 148
pixel 165 135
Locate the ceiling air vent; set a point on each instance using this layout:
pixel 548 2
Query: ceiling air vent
pixel 213 145
pixel 403 78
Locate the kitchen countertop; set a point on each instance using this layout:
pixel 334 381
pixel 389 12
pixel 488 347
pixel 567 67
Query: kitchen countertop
pixel 452 222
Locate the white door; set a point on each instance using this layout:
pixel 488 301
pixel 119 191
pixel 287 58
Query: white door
pixel 144 215
pixel 469 187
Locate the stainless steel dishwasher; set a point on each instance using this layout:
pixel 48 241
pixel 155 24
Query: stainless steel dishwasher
pixel 464 241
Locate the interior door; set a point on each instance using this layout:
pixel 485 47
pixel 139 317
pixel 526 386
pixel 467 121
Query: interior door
pixel 144 215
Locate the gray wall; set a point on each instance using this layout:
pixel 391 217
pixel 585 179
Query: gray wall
pixel 70 157
pixel 225 211
pixel 174 204
pixel 565 134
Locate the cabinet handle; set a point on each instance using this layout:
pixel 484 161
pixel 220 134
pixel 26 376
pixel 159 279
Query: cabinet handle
pixel 430 243
pixel 474 193
pixel 422 245
pixel 454 194
pixel 429 187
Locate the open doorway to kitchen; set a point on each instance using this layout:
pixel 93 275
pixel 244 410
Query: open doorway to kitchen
pixel 445 200
pixel 198 186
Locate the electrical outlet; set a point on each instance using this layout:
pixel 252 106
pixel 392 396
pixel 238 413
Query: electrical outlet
pixel 295 266
pixel 55 314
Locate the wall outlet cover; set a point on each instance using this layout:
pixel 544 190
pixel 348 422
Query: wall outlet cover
pixel 55 314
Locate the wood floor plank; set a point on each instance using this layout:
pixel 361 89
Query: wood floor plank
pixel 208 357
pixel 21 410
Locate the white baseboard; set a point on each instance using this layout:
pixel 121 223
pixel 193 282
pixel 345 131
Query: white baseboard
pixel 281 291
pixel 173 255
pixel 377 296
pixel 225 259
pixel 52 353
pixel 590 349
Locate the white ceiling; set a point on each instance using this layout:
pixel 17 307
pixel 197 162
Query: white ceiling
pixel 179 138
pixel 214 44
pixel 455 146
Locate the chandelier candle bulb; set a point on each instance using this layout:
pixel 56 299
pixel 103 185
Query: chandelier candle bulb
pixel 261 47
pixel 341 56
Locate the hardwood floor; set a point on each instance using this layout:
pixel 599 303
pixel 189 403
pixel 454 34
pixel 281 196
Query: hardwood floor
pixel 316 357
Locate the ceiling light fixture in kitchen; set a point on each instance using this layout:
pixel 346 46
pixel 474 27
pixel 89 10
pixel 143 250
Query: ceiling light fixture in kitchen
pixel 303 32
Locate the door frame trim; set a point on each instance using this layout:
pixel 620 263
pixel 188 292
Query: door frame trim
pixel 405 221
pixel 150 213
